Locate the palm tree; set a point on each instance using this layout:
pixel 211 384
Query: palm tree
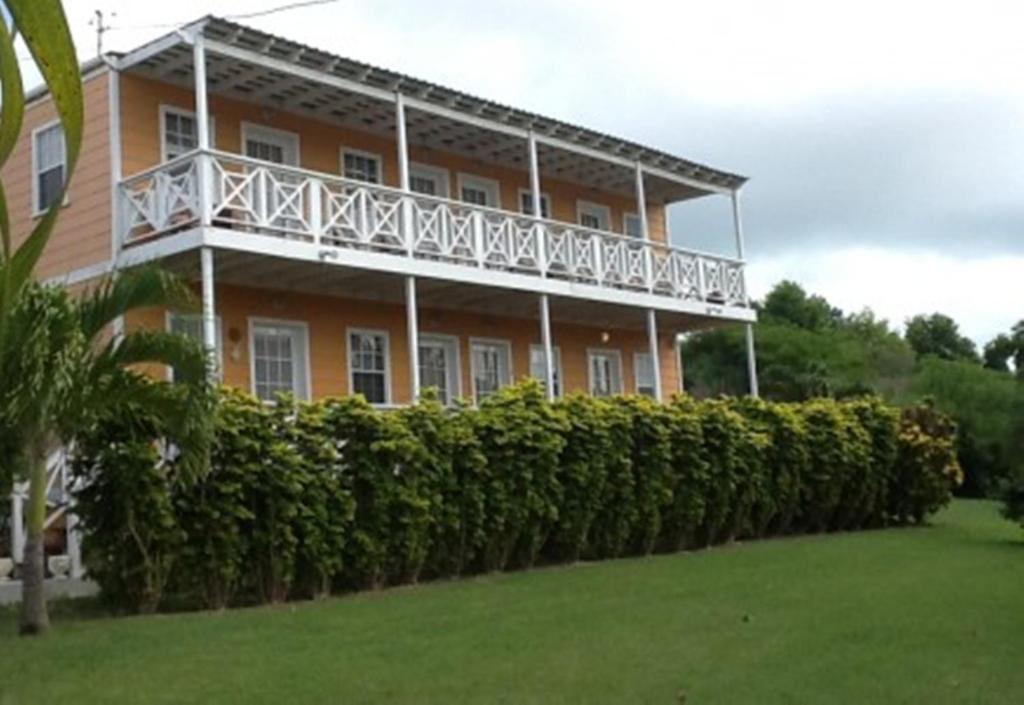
pixel 61 364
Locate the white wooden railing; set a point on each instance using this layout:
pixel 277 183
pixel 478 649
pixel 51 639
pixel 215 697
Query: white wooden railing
pixel 270 199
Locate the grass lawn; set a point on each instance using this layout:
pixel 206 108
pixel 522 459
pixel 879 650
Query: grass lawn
pixel 932 615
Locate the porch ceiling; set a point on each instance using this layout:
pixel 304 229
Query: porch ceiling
pixel 277 274
pixel 278 90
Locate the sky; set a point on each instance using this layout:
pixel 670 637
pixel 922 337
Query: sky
pixel 884 140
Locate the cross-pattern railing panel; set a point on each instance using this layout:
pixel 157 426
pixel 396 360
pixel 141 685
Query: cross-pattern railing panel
pixel 281 201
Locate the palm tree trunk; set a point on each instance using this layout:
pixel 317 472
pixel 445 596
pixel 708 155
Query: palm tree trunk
pixel 34 617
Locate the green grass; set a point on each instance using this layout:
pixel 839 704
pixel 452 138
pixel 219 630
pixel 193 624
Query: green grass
pixel 931 615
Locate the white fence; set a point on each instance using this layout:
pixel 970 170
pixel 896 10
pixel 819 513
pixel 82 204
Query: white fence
pixel 270 199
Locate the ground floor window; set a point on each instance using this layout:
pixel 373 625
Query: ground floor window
pixel 605 371
pixel 537 366
pixel 643 369
pixel 368 365
pixel 280 359
pixel 491 362
pixel 439 366
pixel 190 325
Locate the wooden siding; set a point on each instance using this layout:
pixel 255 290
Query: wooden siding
pixel 328 319
pixel 82 235
pixel 320 146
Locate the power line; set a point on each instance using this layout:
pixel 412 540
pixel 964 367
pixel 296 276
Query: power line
pixel 241 16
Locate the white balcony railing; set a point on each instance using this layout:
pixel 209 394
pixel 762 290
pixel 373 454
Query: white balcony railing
pixel 279 201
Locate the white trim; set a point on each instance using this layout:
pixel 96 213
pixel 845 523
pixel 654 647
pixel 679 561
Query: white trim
pixel 82 274
pixel 349 331
pixel 544 196
pixel 35 210
pixel 556 351
pixel 637 354
pixel 453 341
pixel 437 173
pixel 253 129
pixel 171 315
pixel 498 342
pixel 252 322
pixel 598 210
pixel 482 183
pixel 166 109
pixel 114 138
pixel 343 150
pixel 613 352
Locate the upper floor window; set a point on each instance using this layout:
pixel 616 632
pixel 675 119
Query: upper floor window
pixel 537 370
pixel 49 164
pixel 361 166
pixel 643 371
pixel 479 191
pixel 428 180
pixel 280 359
pixel 604 367
pixel 368 364
pixel 526 203
pixel 269 144
pixel 632 225
pixel 593 215
pixel 178 132
pixel 491 364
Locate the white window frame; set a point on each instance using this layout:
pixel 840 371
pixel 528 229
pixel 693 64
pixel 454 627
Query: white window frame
pixel 303 328
pixel 343 151
pixel 557 355
pixel 545 199
pixel 637 356
pixel 594 352
pixel 165 110
pixel 598 210
pixel 502 342
pixel 271 135
pixel 36 210
pixel 218 338
pixel 481 183
pixel 437 173
pixel 349 332
pixel 626 217
pixel 451 343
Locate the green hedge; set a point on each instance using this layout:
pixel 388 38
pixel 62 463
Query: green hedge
pixel 305 499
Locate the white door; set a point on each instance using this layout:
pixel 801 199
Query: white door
pixel 277 191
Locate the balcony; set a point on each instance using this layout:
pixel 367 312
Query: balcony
pixel 370 224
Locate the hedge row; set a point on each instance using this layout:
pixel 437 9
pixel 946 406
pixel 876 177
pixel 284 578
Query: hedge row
pixel 304 499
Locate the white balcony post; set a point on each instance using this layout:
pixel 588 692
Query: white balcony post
pixel 652 341
pixel 641 209
pixel 549 351
pixel 209 316
pixel 403 172
pixel 536 202
pixel 413 326
pixel 204 171
pixel 740 254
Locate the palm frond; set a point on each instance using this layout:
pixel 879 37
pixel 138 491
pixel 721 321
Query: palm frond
pixel 146 287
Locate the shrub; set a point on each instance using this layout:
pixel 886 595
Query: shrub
pixel 926 469
pixel 689 476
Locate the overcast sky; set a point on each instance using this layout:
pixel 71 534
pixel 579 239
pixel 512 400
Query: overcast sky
pixel 884 140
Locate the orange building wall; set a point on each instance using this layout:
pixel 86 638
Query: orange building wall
pixel 328 319
pixel 320 147
pixel 82 235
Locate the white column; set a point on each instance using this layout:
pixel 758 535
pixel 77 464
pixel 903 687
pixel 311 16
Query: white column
pixel 652 341
pixel 17 526
pixel 740 253
pixel 680 365
pixel 641 201
pixel 413 326
pixel 403 143
pixel 204 172
pixel 209 315
pixel 535 197
pixel 549 350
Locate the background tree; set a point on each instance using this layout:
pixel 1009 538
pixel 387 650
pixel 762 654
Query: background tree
pixel 939 335
pixel 1006 347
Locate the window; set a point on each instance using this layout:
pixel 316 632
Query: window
pixel 270 145
pixel 49 160
pixel 632 225
pixel 178 132
pixel 190 326
pixel 526 203
pixel 643 371
pixel 280 359
pixel 361 166
pixel 439 366
pixel 537 366
pixel 479 191
pixel 593 215
pixel 605 370
pixel 368 365
pixel 428 180
pixel 491 366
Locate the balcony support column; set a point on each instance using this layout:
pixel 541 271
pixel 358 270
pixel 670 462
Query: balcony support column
pixel 652 342
pixel 204 174
pixel 751 354
pixel 641 202
pixel 549 350
pixel 209 315
pixel 545 304
pixel 413 326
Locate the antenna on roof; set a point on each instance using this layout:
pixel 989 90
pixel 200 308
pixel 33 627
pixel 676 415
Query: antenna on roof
pixel 101 29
